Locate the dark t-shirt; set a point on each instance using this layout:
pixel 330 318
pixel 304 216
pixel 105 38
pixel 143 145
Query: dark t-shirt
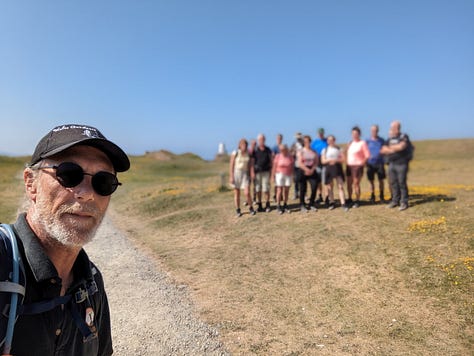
pixel 262 159
pixel 403 156
pixel 55 332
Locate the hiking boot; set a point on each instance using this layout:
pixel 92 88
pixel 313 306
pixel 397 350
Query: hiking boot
pixel 280 210
pixel 313 208
pixel 349 202
pixel 345 207
pixel 238 212
pixel 252 212
pixel 286 209
pixel 267 207
pixel 392 205
pixel 304 209
pixel 403 206
pixel 319 200
pixel 372 198
pixel 356 204
pixel 332 206
pixel 260 208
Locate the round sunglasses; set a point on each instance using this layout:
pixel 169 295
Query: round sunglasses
pixel 70 175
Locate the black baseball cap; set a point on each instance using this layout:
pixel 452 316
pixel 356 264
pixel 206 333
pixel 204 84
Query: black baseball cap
pixel 63 137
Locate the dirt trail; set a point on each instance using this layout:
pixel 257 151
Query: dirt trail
pixel 150 314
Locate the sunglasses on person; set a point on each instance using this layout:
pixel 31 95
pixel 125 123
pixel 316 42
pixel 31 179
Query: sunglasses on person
pixel 70 175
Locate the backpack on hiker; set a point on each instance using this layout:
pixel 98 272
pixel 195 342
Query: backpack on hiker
pixel 410 149
pixel 13 290
pixel 12 286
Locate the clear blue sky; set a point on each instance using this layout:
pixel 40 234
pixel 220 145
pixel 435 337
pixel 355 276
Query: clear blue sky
pixel 186 75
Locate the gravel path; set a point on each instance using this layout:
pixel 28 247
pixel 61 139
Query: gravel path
pixel 150 315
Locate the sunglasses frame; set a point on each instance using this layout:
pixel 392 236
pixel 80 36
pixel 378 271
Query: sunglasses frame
pixel 94 186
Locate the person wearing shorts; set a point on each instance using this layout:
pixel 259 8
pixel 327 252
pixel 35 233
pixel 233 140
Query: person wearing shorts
pixel 308 161
pixel 376 163
pixel 357 156
pixel 275 151
pixel 333 158
pixel 263 167
pixel 296 147
pixel 282 172
pixel 240 173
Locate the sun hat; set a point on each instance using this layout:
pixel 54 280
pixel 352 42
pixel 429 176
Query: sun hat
pixel 63 137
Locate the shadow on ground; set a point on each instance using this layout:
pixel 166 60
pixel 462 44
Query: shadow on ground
pixel 418 199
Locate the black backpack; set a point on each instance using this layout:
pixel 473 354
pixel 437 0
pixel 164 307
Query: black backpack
pixel 410 149
pixel 13 288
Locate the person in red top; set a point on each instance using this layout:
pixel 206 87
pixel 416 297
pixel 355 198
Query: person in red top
pixel 282 171
pixel 357 155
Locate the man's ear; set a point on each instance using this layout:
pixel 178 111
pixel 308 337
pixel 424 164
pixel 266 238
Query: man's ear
pixel 30 178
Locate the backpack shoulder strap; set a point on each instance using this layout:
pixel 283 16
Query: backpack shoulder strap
pixel 11 286
pixel 7 236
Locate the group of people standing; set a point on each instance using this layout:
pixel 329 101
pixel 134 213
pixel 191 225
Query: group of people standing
pixel 320 164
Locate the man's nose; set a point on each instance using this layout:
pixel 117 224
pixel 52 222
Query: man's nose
pixel 84 191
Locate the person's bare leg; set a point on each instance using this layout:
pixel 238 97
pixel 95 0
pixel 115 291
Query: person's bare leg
pixel 278 195
pixel 340 184
pixel 286 191
pixel 237 198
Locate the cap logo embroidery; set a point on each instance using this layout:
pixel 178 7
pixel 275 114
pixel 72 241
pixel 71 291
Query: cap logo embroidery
pixel 89 133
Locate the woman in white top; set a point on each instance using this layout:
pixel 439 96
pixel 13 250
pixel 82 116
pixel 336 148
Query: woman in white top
pixel 240 173
pixel 333 157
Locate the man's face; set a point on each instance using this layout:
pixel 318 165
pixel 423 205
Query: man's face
pixel 261 141
pixel 394 129
pixel 70 216
pixel 374 131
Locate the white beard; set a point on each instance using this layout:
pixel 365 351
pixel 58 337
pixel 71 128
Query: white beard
pixel 70 234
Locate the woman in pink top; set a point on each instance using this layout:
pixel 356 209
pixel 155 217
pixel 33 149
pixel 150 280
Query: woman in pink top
pixel 308 161
pixel 282 171
pixel 357 155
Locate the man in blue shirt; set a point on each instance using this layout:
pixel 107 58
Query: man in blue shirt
pixel 375 164
pixel 276 148
pixel 318 145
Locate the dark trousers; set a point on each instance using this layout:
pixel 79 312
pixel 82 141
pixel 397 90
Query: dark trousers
pixel 313 182
pixel 297 178
pixel 397 173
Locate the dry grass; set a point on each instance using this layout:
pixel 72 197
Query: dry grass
pixel 372 281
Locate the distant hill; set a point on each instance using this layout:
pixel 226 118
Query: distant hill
pixel 164 155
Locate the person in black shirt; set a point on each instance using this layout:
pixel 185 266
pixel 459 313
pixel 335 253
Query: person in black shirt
pixel 263 168
pixel 68 185
pixel 397 148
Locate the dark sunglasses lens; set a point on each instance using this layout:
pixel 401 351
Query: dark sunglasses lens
pixel 69 174
pixel 104 183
